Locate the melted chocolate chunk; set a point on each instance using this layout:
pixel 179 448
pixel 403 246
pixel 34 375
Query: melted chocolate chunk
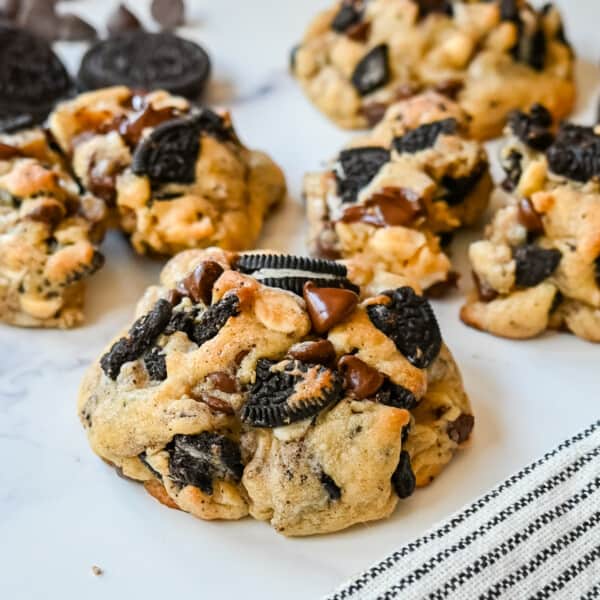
pixel 140 339
pixel 360 379
pixel 460 430
pixel 317 352
pixel 199 460
pixel 331 487
pixel 534 128
pixel 424 137
pixel 408 320
pixel 373 71
pixel 534 264
pixel 328 306
pixel 403 479
pixel 357 168
pixel 198 285
pixel 285 395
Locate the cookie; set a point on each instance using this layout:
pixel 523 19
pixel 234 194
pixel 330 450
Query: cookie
pixel 389 201
pixel 32 79
pixel 360 56
pixel 49 233
pixel 154 61
pixel 538 266
pixel 230 397
pixel 176 176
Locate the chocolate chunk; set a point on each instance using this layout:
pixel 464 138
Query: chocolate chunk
pixel 50 212
pixel 443 288
pixel 393 394
pixel 534 264
pixel 424 136
pixel 156 364
pixel 122 19
pixel 146 61
pixel 198 285
pixel 359 32
pixel 199 460
pixel 529 218
pixel 485 292
pixel 318 352
pixel 140 339
pixel 331 487
pixel 175 296
pixel 288 392
pixel 223 382
pixel 8 152
pixel 408 320
pixel 403 479
pixel 347 15
pixel 534 128
pixel 374 112
pixel 328 306
pixel 216 404
pixel 457 189
pixel 460 430
pixel 373 71
pixel 250 263
pixel 360 379
pixel 575 153
pixel 449 88
pixel 168 13
pixel 357 168
pixel 72 28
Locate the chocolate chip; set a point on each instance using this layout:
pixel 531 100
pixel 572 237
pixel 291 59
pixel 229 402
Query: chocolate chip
pixel 597 270
pixel 374 112
pixel 168 13
pixel 50 212
pixel 318 352
pixel 175 296
pixel 403 479
pixel 223 382
pixel 359 32
pixel 360 379
pixel 373 71
pixel 122 19
pixel 328 306
pixel 529 218
pixel 331 487
pixel 216 404
pixel 534 264
pixel 460 430
pixel 424 136
pixel 198 285
pixel 72 28
pixel 449 88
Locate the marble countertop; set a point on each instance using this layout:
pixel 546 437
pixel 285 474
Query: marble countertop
pixel 62 510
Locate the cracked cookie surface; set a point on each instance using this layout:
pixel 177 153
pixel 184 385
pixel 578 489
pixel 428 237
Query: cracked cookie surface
pixel 176 176
pixel 360 56
pixel 293 408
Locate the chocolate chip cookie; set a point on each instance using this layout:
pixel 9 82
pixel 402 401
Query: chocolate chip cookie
pixel 392 198
pixel 49 233
pixel 176 176
pixel 360 56
pixel 262 385
pixel 538 267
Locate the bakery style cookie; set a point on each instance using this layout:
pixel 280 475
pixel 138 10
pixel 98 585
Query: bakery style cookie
pixel 262 385
pixel 177 176
pixel 360 56
pixel 538 267
pixel 392 198
pixel 49 233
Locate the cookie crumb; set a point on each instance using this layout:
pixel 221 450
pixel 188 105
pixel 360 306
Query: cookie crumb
pixel 97 571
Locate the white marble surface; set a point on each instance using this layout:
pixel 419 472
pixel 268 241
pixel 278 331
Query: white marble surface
pixel 62 510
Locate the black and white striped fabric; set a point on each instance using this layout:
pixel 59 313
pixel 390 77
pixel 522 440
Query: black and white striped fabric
pixel 536 535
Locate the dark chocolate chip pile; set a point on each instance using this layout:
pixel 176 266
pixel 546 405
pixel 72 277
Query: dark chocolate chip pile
pixel 424 137
pixel 200 459
pixel 271 400
pixel 534 264
pixel 408 320
pixel 358 166
pixel 373 71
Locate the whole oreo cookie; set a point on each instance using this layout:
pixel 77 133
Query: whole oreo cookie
pixel 32 79
pixel 145 60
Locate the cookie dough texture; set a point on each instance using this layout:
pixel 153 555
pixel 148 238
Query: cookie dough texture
pixel 538 266
pixel 390 200
pixel 359 57
pixel 48 235
pixel 177 177
pixel 346 464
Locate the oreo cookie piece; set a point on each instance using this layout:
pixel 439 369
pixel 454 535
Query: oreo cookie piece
pixel 346 17
pixel 534 264
pixel 290 273
pixel 575 153
pixel 146 61
pixel 32 79
pixel 199 460
pixel 373 71
pixel 357 168
pixel 408 320
pixel 533 128
pixel 458 188
pixel 423 137
pixel 290 391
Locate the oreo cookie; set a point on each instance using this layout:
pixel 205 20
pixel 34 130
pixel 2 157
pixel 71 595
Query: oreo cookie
pixel 373 70
pixel 32 79
pixel 146 61
pixel 357 167
pixel 290 273
pixel 424 136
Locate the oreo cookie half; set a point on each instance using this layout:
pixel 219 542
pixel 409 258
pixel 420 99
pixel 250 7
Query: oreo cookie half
pixel 146 61
pixel 290 273
pixel 32 79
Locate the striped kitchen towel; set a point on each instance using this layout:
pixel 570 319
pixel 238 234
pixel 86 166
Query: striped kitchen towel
pixel 536 535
